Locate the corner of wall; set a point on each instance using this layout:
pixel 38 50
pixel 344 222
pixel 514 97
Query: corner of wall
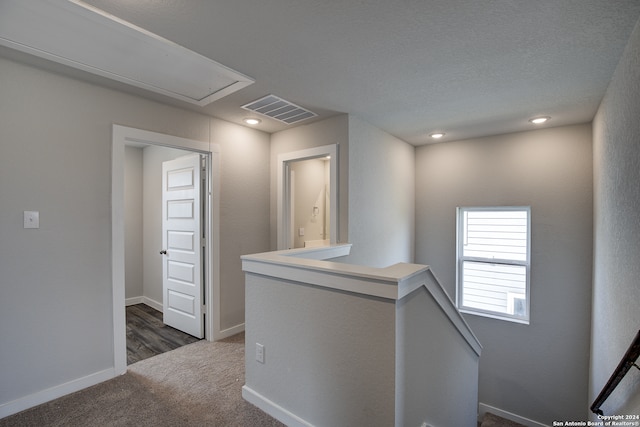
pixel 615 299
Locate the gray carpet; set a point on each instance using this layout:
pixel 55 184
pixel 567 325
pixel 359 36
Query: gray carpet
pixel 196 385
pixel 491 420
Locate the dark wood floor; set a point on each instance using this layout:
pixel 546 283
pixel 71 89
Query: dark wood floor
pixel 147 336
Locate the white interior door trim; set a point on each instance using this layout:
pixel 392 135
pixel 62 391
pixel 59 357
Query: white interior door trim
pixel 284 191
pixel 122 136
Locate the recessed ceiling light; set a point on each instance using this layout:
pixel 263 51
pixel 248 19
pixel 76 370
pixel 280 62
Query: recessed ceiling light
pixel 252 121
pixel 437 135
pixel 539 120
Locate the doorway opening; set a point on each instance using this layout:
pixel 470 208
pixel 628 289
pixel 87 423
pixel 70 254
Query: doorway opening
pixel 307 194
pixel 149 336
pixel 310 202
pixel 164 274
pixel 165 258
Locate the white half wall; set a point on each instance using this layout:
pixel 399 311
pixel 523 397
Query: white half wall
pixel 310 348
pixel 331 344
pixel 424 338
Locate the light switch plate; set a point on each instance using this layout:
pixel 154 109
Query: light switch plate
pixel 31 219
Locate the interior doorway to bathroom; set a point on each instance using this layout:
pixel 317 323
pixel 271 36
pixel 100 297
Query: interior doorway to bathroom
pixel 310 202
pixel 307 199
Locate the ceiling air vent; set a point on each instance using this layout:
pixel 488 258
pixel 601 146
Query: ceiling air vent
pixel 279 109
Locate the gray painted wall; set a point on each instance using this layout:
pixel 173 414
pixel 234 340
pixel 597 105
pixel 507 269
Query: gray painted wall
pixel 616 270
pixel 133 222
pixel 244 210
pixel 56 281
pixel 538 371
pixel 381 197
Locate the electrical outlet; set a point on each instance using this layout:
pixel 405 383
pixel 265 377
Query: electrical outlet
pixel 259 353
pixel 31 219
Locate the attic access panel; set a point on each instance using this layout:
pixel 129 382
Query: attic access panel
pixel 78 35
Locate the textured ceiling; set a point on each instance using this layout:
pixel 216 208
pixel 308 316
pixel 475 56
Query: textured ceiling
pixel 465 67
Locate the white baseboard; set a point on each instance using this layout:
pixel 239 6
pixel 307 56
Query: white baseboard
pixel 144 300
pixel 153 304
pixel 132 301
pixel 483 408
pixel 276 411
pixel 49 394
pixel 228 332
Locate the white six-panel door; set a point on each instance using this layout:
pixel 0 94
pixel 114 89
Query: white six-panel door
pixel 182 247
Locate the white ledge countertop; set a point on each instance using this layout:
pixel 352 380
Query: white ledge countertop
pixel 311 263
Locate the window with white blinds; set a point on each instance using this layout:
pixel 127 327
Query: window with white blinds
pixel 493 262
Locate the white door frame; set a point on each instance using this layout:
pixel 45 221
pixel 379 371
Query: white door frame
pixel 284 191
pixel 121 137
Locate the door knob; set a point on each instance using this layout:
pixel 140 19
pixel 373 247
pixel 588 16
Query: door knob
pixel 163 252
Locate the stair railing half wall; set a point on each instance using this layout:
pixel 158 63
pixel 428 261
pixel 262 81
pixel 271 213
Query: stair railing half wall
pixel 628 360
